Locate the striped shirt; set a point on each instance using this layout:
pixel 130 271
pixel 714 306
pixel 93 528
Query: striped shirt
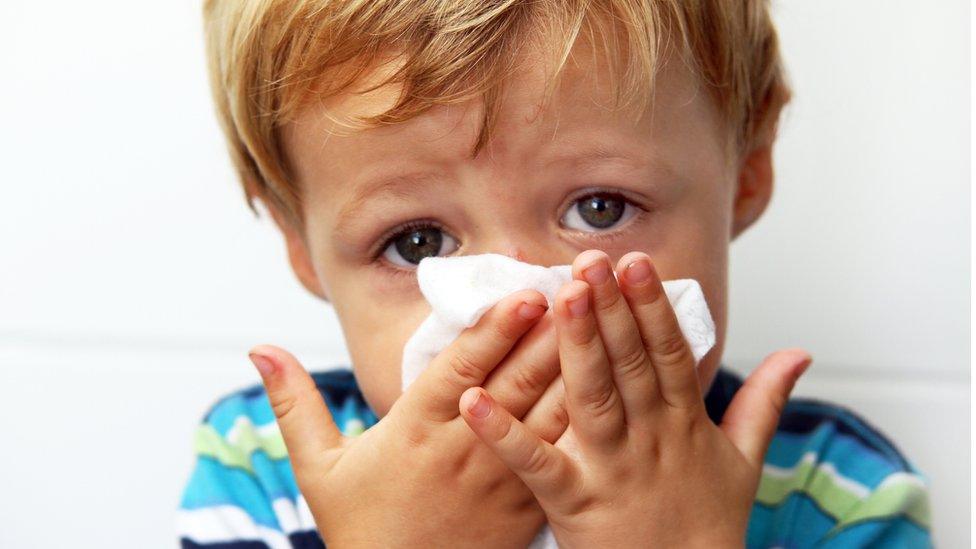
pixel 830 479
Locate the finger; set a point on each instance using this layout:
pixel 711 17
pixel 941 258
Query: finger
pixel 546 470
pixel 751 419
pixel 303 418
pixel 548 418
pixel 526 373
pixel 467 361
pixel 671 358
pixel 595 410
pixel 629 363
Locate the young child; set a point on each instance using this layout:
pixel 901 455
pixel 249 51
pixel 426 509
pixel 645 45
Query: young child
pixel 627 137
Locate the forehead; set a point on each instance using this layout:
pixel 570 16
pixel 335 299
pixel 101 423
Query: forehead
pixel 579 117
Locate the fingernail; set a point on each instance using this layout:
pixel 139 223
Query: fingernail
pixel 530 311
pixel 263 364
pixel 480 408
pixel 579 306
pixel 801 368
pixel 598 273
pixel 638 272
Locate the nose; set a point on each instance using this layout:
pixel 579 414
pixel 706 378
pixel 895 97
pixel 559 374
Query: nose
pixel 536 251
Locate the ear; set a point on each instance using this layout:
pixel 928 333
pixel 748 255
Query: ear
pixel 298 255
pixel 755 187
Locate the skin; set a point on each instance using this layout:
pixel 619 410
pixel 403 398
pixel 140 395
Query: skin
pixel 631 468
pixel 460 479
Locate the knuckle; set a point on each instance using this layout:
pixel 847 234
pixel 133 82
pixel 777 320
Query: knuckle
pixel 465 369
pixel 688 425
pixel 583 503
pixel 621 474
pixel 465 460
pixel 283 404
pixel 600 402
pixel 632 363
pixel 606 300
pixel 671 349
pixel 529 380
pixel 648 294
pixel 412 436
pixel 526 504
pixel 415 440
pixel 683 437
pixel 587 338
pixel 537 461
pixel 495 485
pixel 654 450
pixel 503 330
pixel 560 415
pixel 504 432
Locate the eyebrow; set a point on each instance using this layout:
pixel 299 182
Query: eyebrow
pixel 399 185
pixel 657 172
pixel 403 185
pixel 581 158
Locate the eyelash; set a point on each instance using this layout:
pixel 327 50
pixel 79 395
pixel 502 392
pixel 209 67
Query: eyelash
pixel 642 209
pixel 607 236
pixel 389 236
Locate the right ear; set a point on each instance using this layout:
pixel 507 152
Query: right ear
pixel 298 255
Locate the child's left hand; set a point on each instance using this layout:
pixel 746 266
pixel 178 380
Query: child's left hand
pixel 641 462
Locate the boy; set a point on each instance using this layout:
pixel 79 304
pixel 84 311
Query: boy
pixel 626 132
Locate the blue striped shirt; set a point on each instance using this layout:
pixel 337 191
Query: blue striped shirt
pixel 830 479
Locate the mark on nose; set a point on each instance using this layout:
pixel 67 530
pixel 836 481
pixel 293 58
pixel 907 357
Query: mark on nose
pixel 515 254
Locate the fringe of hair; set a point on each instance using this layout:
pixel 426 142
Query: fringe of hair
pixel 268 58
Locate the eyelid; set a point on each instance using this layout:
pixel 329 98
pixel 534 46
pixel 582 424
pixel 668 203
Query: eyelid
pixel 641 203
pixel 381 243
pixel 378 253
pixel 387 237
pixel 610 236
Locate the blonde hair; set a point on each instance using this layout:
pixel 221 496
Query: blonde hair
pixel 268 58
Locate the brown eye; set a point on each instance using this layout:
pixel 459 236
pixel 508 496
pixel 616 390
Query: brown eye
pixel 411 246
pixel 596 212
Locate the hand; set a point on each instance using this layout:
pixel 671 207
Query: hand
pixel 640 462
pixel 419 477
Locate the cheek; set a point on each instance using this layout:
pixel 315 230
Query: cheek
pixel 691 240
pixel 376 326
pixel 702 254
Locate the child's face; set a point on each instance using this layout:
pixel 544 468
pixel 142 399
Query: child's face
pixel 543 190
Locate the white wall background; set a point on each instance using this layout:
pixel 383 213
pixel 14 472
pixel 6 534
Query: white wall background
pixel 133 280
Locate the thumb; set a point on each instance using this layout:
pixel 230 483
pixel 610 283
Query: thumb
pixel 752 417
pixel 303 418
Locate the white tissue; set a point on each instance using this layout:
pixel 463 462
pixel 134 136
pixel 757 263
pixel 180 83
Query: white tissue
pixel 461 289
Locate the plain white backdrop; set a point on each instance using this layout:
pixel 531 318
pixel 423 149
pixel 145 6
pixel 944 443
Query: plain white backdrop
pixel 133 279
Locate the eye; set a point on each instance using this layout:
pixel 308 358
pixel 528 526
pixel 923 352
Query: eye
pixel 597 212
pixel 408 247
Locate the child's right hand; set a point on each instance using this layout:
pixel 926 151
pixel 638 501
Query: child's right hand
pixel 420 477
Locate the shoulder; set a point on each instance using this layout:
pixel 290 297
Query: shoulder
pixel 250 405
pixel 833 477
pixel 242 489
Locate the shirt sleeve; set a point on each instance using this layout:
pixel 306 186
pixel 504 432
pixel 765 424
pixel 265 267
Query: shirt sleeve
pixel 242 493
pixel 894 514
pixel 833 480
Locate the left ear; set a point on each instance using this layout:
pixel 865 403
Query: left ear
pixel 755 187
pixel 298 253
